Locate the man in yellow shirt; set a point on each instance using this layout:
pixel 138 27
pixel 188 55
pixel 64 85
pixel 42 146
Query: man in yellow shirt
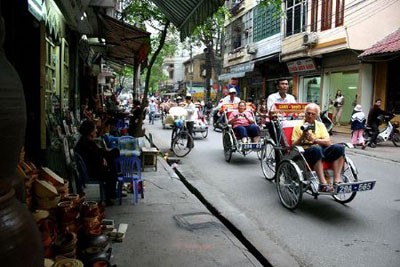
pixel 314 138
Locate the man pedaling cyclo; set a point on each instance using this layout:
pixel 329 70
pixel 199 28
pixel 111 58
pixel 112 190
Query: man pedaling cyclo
pixel 317 144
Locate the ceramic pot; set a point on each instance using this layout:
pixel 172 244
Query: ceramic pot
pixel 20 238
pixel 89 209
pixel 18 233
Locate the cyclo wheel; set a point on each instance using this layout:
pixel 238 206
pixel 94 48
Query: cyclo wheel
pixel 268 161
pixel 227 142
pixel 396 138
pixel 288 184
pixel 180 145
pixel 348 175
pixel 205 133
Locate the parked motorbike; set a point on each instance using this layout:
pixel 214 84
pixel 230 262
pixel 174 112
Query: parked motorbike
pixel 326 121
pixel 389 133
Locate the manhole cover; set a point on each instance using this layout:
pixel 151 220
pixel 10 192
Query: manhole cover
pixel 196 220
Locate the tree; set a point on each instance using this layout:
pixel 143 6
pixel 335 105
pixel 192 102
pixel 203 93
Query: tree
pixel 144 13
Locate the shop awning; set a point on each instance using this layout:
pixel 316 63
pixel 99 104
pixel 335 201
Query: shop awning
pixel 228 76
pixel 386 48
pixel 123 42
pixel 186 15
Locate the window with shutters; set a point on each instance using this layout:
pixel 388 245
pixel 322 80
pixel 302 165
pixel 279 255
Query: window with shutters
pixel 266 22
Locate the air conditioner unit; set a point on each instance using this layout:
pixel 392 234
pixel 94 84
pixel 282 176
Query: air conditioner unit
pixel 310 39
pixel 251 49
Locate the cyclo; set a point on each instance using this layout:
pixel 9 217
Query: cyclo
pixel 286 165
pixel 230 140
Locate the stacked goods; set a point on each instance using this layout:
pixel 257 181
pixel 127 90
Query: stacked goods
pixel 29 173
pixel 95 246
pixel 60 184
pixel 45 194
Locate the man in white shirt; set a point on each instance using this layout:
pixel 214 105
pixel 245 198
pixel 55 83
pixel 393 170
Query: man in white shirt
pixel 231 98
pixel 281 96
pixel 191 109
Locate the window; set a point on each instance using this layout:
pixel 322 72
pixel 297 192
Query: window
pixel 236 33
pixel 247 33
pixel 266 22
pixel 326 15
pixel 339 13
pixel 296 11
pixel 314 15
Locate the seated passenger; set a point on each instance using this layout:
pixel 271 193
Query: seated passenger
pixel 243 123
pixel 317 144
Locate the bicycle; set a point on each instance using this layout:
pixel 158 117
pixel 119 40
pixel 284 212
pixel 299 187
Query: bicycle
pixel 181 140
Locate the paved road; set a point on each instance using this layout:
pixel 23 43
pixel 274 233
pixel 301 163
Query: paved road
pixel 320 232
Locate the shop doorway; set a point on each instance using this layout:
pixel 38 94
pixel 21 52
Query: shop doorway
pixel 310 90
pixel 347 82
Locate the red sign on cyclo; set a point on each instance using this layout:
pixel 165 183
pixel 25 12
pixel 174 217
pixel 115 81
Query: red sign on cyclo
pixel 293 110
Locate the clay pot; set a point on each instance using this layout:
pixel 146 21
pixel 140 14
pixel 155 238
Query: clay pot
pixel 66 211
pixel 91 223
pixel 95 256
pixel 74 198
pixel 68 262
pixel 90 209
pixel 18 230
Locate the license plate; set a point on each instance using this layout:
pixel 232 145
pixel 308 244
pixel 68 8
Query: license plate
pixel 251 146
pixel 354 187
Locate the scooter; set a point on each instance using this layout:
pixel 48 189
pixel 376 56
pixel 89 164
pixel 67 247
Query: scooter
pixel 390 133
pixel 326 121
pixel 218 120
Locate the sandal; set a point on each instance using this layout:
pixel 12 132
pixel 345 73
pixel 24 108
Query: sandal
pixel 325 188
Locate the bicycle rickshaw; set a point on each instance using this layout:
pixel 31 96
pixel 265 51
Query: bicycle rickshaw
pixel 181 140
pixel 286 165
pixel 230 140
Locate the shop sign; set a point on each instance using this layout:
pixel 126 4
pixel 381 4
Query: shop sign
pixel 247 67
pixel 301 65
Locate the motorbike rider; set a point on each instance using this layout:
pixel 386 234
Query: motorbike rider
pixel 207 110
pixel 373 121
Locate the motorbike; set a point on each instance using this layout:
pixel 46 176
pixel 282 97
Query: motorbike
pixel 324 118
pixel 218 120
pixel 389 133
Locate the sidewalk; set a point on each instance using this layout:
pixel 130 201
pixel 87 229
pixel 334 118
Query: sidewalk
pixel 385 150
pixel 171 227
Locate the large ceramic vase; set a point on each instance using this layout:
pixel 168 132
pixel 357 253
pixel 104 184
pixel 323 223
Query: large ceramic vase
pixel 20 241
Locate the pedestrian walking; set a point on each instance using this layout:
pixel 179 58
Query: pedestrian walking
pixel 358 121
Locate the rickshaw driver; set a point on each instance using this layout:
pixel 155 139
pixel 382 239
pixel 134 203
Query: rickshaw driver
pixel 317 144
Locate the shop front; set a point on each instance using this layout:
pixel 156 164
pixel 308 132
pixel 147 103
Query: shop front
pixel 344 72
pixel 306 80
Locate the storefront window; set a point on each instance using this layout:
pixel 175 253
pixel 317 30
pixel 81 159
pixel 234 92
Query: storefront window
pixel 311 89
pixel 347 82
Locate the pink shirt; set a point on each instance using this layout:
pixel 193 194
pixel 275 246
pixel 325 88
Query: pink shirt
pixel 241 120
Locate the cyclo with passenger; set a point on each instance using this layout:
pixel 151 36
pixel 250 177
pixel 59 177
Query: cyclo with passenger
pixel 300 158
pixel 240 133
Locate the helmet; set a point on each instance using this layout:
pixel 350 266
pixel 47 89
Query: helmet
pixel 179 123
pixel 232 90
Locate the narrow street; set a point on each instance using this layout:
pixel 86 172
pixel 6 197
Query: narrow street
pixel 318 233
